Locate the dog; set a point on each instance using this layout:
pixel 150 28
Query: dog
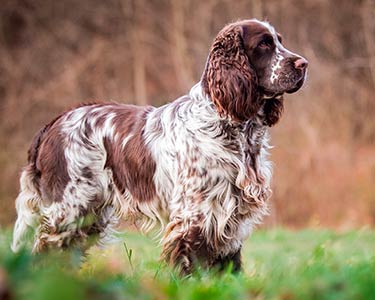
pixel 199 162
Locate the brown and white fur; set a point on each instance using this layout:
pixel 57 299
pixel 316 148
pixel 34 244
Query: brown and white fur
pixel 200 162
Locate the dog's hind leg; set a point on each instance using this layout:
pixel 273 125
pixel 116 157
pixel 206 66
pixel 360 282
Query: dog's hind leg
pixel 70 224
pixel 27 206
pixel 60 226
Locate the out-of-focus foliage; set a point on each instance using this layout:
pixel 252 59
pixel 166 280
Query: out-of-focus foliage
pixel 56 54
pixel 278 264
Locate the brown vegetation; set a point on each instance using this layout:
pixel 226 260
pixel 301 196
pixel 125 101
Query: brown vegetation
pixel 56 54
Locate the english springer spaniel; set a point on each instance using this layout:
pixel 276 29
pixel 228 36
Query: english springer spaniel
pixel 200 163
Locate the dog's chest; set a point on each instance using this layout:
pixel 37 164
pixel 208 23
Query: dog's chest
pixel 235 151
pixel 223 155
pixel 213 162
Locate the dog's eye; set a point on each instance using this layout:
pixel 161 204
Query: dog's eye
pixel 266 43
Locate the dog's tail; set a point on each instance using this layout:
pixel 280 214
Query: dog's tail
pixel 29 199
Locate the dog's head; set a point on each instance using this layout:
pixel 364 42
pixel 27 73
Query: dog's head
pixel 247 65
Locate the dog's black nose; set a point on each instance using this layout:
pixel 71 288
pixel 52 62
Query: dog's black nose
pixel 301 63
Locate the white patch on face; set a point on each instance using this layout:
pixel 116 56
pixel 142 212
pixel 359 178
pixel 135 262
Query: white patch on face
pixel 281 53
pixel 276 65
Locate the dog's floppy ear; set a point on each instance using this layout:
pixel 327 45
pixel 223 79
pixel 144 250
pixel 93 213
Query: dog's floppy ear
pixel 273 109
pixel 229 78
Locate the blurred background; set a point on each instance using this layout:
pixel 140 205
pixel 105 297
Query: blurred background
pixel 56 54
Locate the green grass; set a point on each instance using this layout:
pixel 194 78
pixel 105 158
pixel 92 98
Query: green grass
pixel 278 264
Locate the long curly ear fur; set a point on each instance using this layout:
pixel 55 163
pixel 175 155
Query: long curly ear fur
pixel 229 78
pixel 273 109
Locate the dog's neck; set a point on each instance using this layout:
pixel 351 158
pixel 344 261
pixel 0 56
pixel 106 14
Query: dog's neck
pixel 267 115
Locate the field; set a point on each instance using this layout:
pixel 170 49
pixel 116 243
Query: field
pixel 278 264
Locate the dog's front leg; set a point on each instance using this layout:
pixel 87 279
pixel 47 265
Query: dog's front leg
pixel 182 243
pixel 233 259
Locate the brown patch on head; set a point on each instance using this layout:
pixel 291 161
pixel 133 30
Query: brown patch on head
pixel 248 63
pixel 229 78
pixel 253 32
pixel 279 70
pixel 132 165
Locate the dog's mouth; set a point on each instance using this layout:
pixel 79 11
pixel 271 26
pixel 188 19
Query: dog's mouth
pixel 267 94
pixel 270 95
pixel 297 86
pixel 285 85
